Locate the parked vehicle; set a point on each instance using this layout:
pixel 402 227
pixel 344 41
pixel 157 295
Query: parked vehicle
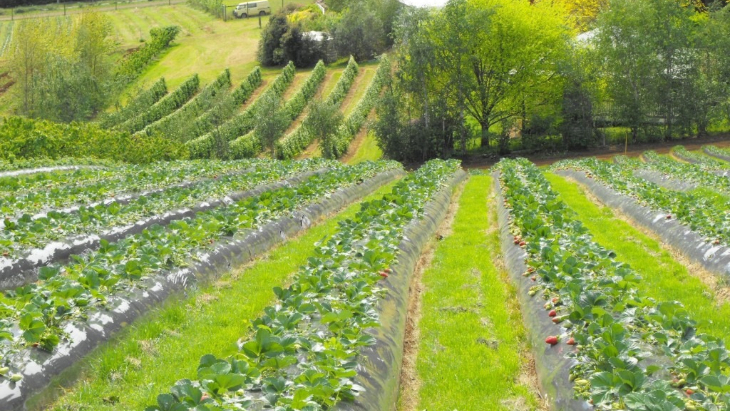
pixel 252 8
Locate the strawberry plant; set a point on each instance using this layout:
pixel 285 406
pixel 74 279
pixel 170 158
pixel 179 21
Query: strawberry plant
pixel 630 352
pixel 20 236
pixel 301 353
pixel 69 292
pixel 697 210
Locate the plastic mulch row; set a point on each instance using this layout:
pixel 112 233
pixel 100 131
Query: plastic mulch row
pixel 40 366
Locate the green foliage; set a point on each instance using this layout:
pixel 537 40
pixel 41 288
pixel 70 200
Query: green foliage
pixel 357 117
pixel 323 121
pixel 282 41
pixel 295 142
pixel 271 121
pixel 133 65
pixel 136 106
pixel 175 125
pixel 241 124
pixel 62 67
pixel 164 107
pixel 26 139
pixel 359 33
pixel 225 108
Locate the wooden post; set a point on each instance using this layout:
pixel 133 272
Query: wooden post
pixel 259 21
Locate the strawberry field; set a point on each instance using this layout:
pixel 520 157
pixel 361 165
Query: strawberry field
pixel 324 286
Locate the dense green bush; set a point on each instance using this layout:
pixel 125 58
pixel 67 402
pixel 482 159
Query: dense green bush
pixel 22 138
pixel 139 104
pixel 134 63
pixel 283 41
pixel 164 107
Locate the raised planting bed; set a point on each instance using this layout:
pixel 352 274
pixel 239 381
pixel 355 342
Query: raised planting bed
pixel 110 223
pixel 624 351
pixel 74 307
pixel 677 218
pixel 16 173
pixel 320 346
pixel 706 162
pixel 69 191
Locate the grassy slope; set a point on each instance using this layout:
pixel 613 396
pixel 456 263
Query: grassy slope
pixel 472 337
pixel 206 45
pixel 146 359
pixel 664 278
pixel 367 150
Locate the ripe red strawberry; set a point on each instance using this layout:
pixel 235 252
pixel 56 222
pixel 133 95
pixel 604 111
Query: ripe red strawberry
pixel 517 241
pixel 571 341
pixel 384 274
pixel 689 391
pixel 522 243
pixel 534 278
pixel 552 340
pixel 669 216
pixel 556 300
pixel 552 313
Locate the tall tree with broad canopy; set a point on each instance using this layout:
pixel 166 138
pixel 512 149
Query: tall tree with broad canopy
pixel 500 53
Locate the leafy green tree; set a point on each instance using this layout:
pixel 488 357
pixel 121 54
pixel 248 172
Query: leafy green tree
pixel 359 33
pixel 271 122
pixel 323 121
pixel 648 57
pixel 282 41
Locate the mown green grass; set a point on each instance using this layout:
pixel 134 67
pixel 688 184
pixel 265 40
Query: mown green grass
pixel 471 333
pixel 145 359
pixel 368 150
pixel 664 278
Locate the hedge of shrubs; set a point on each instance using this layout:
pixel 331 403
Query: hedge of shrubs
pixel 164 107
pixel 139 104
pixel 295 142
pixel 175 124
pixel 22 138
pixel 203 147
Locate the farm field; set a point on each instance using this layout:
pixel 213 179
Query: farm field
pixel 213 247
pixel 205 46
pixel 519 287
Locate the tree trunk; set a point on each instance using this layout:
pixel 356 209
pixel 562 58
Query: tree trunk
pixel 485 134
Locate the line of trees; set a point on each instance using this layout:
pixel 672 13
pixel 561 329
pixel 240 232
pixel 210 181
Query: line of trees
pixel 504 74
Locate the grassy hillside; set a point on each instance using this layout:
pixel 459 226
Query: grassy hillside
pixel 205 46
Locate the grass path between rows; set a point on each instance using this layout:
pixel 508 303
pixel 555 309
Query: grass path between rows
pixel 473 352
pixel 146 359
pixel 664 278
